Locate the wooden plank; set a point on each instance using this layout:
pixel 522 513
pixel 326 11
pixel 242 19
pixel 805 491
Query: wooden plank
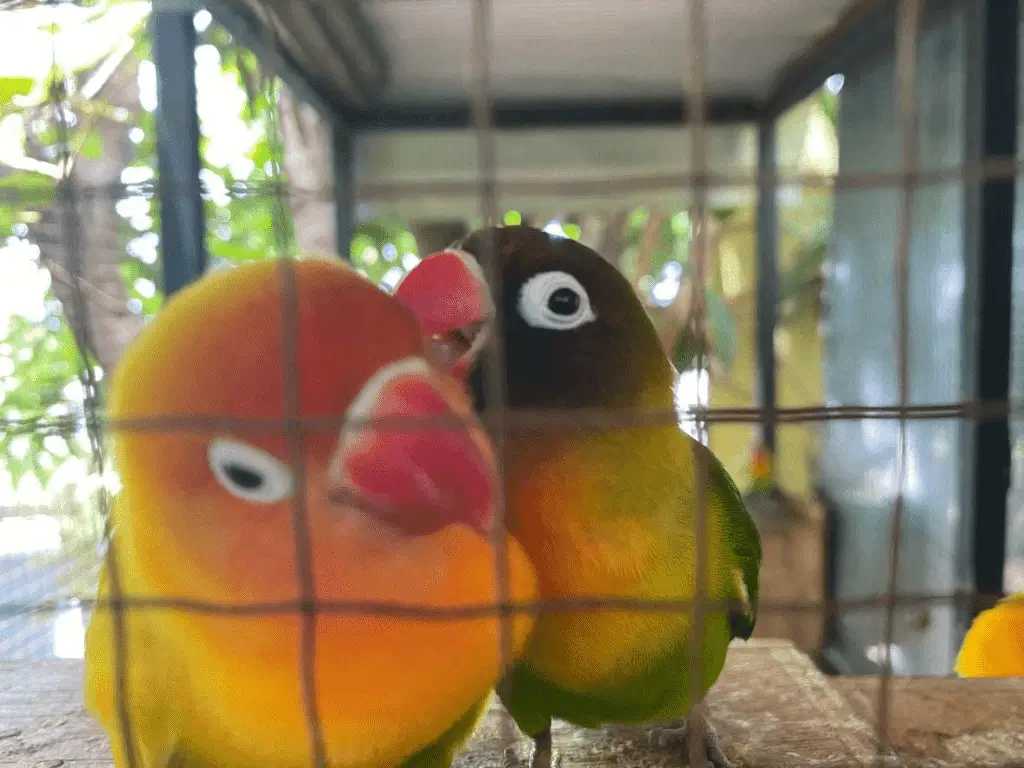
pixel 958 722
pixel 772 708
pixel 793 570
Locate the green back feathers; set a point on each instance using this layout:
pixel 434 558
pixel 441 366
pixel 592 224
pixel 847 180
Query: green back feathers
pixel 742 537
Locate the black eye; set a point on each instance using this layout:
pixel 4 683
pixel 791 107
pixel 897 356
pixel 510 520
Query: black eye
pixel 554 301
pixel 564 301
pixel 243 477
pixel 248 472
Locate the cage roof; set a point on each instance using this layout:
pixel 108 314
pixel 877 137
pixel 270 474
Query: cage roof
pixel 373 54
pixel 594 49
pixel 407 66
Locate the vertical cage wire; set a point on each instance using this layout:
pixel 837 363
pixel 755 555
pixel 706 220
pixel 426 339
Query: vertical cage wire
pixel 696 98
pixel 294 427
pixel 908 19
pixel 481 103
pixel 70 230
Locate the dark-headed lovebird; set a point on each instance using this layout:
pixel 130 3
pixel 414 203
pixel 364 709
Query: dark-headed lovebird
pixel 243 452
pixel 607 513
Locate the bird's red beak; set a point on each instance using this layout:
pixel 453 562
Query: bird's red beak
pixel 449 295
pixel 418 477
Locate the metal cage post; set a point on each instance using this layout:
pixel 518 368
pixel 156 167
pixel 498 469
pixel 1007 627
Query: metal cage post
pixel 343 165
pixel 183 221
pixel 993 85
pixel 520 114
pixel 767 276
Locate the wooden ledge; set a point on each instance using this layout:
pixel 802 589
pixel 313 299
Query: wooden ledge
pixel 772 708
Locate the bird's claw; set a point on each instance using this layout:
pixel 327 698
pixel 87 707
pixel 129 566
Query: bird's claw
pixel 545 756
pixel 706 752
pixel 510 758
pixel 540 757
pixel 543 753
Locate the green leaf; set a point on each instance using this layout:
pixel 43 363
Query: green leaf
pixel 722 336
pixel 807 268
pixel 723 328
pixel 638 218
pixel 27 190
pixel 7 220
pixel 14 86
pixel 16 467
pixel 829 105
pixel 685 350
pixel 92 146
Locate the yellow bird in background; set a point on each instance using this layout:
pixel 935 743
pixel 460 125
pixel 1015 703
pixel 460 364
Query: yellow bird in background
pixel 994 645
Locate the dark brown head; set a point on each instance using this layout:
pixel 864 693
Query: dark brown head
pixel 575 332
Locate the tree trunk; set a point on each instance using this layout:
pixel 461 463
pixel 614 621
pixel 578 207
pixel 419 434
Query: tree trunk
pixel 611 239
pixel 592 226
pixel 82 244
pixel 307 162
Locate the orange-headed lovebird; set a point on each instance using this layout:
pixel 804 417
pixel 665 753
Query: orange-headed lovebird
pixel 205 524
pixel 600 513
pixel 994 645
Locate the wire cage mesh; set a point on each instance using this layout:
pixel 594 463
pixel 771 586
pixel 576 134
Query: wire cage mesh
pixel 88 212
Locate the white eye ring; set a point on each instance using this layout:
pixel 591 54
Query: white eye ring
pixel 249 473
pixel 535 299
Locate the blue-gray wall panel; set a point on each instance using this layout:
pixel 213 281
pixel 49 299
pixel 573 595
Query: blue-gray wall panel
pixel 859 458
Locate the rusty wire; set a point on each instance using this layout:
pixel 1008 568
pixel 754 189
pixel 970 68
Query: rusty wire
pixel 291 373
pixel 909 12
pixel 420 611
pixel 70 223
pixel 694 80
pixel 496 413
pixel 583 420
pixel 991 169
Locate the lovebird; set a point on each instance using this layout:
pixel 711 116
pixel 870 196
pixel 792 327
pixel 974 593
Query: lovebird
pixel 994 645
pixel 600 513
pixel 221 503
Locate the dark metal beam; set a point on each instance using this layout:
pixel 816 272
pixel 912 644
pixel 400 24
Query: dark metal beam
pixel 767 296
pixel 349 32
pixel 182 218
pixel 865 27
pixel 359 44
pixel 992 251
pixel 247 31
pixel 511 114
pixel 342 164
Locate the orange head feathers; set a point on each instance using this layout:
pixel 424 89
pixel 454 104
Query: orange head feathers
pixel 212 474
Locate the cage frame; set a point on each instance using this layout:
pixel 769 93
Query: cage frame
pixel 865 28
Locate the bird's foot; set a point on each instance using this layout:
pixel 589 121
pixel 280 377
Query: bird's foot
pixel 542 754
pixel 696 736
pixel 510 758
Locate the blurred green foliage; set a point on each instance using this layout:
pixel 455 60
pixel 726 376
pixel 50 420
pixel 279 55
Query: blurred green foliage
pixel 246 221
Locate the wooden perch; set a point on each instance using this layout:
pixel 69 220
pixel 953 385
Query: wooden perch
pixel 772 708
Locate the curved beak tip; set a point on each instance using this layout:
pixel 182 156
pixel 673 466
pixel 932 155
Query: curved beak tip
pixel 453 304
pixel 417 457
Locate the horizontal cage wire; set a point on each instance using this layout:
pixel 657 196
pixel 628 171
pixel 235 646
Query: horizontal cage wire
pixel 869 606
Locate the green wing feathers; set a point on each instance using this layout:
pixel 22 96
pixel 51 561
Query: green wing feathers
pixel 744 542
